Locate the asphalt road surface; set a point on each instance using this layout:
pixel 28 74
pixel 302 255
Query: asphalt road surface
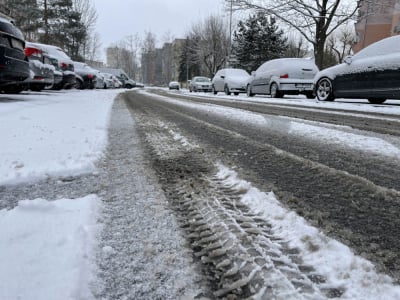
pixel 352 196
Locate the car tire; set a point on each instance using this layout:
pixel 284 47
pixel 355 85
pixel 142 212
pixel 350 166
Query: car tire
pixel 310 95
pixel 275 92
pixel 249 92
pixel 226 90
pixel 79 85
pixel 376 100
pixel 324 90
pixel 213 90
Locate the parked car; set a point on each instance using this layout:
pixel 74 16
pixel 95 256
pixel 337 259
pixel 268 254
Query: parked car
pixel 126 82
pixel 174 85
pixel 277 77
pixel 86 78
pixel 230 81
pixel 373 73
pixel 14 65
pixel 100 81
pixel 62 62
pixel 42 74
pixel 109 81
pixel 200 83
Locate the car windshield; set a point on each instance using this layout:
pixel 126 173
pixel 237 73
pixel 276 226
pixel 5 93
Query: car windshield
pixel 236 72
pixel 202 79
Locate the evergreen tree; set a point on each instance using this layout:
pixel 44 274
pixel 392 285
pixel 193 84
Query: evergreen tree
pixel 258 39
pixel 63 27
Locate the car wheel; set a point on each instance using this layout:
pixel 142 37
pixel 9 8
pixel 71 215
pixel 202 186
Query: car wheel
pixel 213 90
pixel 275 92
pixel 226 89
pixel 79 85
pixel 376 100
pixel 249 91
pixel 324 90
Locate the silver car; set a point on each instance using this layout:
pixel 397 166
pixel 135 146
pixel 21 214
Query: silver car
pixel 200 84
pixel 230 81
pixel 284 76
pixel 41 73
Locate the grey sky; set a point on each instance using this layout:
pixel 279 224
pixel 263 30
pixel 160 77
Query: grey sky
pixel 120 18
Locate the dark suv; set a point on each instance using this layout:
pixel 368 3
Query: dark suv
pixel 14 67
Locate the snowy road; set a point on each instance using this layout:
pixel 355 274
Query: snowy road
pixel 340 179
pixel 172 195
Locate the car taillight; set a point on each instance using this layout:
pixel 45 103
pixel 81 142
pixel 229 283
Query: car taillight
pixel 29 51
pixel 284 76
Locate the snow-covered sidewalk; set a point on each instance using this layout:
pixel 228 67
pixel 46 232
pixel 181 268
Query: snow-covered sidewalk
pixel 46 245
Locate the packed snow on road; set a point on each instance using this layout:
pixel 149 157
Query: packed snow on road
pixel 48 246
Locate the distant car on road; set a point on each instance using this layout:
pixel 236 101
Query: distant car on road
pixel 14 66
pixel 174 85
pixel 200 84
pixel 283 76
pixel 373 73
pixel 230 81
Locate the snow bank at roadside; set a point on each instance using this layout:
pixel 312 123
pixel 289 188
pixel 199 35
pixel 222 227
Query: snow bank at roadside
pixel 46 249
pixel 52 133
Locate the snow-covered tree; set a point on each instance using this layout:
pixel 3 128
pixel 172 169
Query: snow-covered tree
pixel 257 40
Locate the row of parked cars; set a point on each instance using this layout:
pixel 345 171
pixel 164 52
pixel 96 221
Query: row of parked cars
pixel 35 66
pixel 373 73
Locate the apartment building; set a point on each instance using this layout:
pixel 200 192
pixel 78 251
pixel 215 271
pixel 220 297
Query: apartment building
pixel 376 20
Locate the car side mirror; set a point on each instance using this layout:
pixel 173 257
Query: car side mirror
pixel 348 59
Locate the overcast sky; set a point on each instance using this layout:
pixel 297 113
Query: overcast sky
pixel 120 18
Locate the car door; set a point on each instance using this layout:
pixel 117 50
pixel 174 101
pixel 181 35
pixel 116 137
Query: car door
pixel 354 78
pixel 219 81
pixel 259 82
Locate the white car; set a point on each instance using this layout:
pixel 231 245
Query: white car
pixel 174 85
pixel 230 81
pixel 277 77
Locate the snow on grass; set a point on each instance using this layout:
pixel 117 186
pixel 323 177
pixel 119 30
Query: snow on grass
pixel 46 249
pixel 52 133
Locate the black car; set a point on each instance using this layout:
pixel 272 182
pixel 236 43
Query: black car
pixel 14 67
pixel 373 73
pixel 62 63
pixel 86 76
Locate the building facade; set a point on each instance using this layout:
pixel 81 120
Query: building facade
pixel 376 20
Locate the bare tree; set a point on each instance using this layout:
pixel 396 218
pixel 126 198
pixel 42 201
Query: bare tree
pixel 88 15
pixel 209 42
pixel 149 56
pixel 341 42
pixel 93 47
pixel 315 20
